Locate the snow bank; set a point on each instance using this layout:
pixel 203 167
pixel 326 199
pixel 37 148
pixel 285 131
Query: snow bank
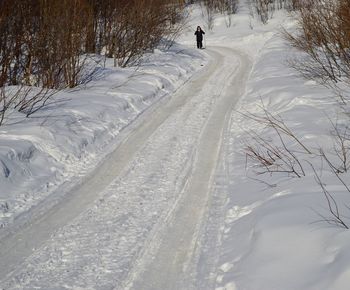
pixel 275 235
pixel 68 138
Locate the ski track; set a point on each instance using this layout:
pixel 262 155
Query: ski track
pixel 145 228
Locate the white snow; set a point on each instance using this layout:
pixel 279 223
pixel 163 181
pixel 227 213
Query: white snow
pixel 67 139
pixel 274 236
pixel 260 232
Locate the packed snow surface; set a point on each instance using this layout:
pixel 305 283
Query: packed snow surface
pixel 65 140
pixel 140 179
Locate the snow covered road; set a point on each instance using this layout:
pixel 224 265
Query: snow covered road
pixel 135 222
pixel 170 266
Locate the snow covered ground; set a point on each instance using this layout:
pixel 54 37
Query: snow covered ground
pixel 257 232
pixel 67 139
pixel 275 235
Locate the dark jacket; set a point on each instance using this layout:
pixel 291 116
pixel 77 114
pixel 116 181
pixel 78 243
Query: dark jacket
pixel 199 34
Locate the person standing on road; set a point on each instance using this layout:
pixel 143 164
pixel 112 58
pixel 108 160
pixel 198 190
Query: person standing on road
pixel 199 35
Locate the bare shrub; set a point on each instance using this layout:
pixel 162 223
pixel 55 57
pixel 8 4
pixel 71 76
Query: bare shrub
pixel 125 30
pixel 277 123
pixel 266 8
pixel 225 7
pixel 274 158
pixel 341 149
pixel 43 43
pixel 336 218
pixel 47 44
pixel 176 23
pixel 323 35
pixel 58 45
pixel 209 16
pixel 8 99
pixel 222 6
pixel 30 100
pixel 278 157
pixel 145 23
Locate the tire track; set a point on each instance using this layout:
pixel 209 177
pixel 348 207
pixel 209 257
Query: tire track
pixel 172 263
